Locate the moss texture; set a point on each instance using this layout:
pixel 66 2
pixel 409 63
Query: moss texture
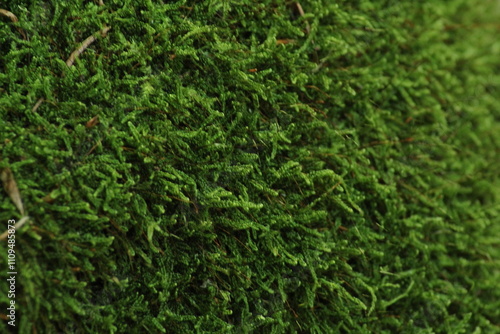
pixel 253 166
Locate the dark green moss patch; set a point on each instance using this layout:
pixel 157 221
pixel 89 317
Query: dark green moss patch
pixel 242 167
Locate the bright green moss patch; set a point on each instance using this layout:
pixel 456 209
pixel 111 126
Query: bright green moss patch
pixel 253 169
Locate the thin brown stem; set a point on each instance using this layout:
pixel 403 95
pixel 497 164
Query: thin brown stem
pixel 84 46
pixel 86 43
pixel 8 14
pixel 14 19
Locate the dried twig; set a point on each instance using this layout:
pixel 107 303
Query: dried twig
pixel 301 13
pixel 10 186
pixel 11 16
pixel 285 41
pixel 18 225
pixel 85 45
pixel 37 104
pixel 299 8
pixel 92 122
pixel 75 54
pixel 14 19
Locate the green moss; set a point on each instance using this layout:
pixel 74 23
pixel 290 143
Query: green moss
pixel 254 170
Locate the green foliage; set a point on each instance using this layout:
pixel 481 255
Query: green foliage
pixel 254 170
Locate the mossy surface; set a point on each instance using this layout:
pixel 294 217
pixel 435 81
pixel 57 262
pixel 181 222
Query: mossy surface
pixel 253 169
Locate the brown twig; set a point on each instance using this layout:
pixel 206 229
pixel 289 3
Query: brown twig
pixel 84 46
pixel 75 54
pixel 11 16
pixel 10 186
pixel 17 226
pixel 302 13
pixel 92 122
pixel 37 104
pixel 14 19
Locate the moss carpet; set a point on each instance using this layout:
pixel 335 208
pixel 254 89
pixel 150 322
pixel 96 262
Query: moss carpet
pixel 247 166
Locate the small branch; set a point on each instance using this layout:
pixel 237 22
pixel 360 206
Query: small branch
pixel 302 13
pixel 10 186
pixel 14 19
pixel 75 54
pixel 37 104
pixel 18 225
pixel 11 16
pixel 84 46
